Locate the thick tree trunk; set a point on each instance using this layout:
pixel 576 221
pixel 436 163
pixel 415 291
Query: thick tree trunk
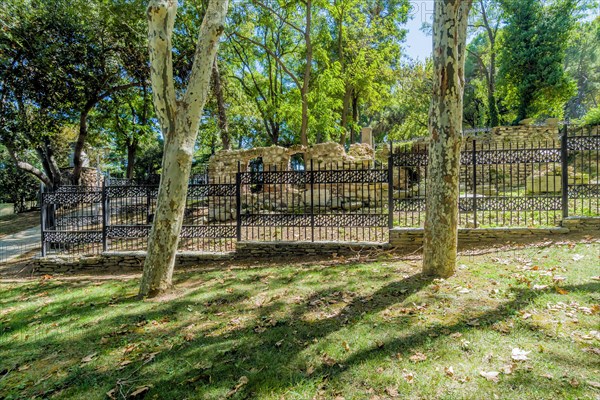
pixel 81 138
pixel 307 69
pixel 131 152
pixel 179 122
pixel 217 87
pixel 445 125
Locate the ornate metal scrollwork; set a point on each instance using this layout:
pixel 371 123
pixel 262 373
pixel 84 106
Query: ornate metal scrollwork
pixel 64 237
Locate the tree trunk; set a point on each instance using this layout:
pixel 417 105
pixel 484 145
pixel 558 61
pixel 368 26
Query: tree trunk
pixel 81 138
pixel 345 109
pixel 445 126
pixel 179 121
pixel 217 87
pixel 131 152
pixel 306 81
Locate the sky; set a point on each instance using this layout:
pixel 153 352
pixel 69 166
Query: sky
pixel 418 44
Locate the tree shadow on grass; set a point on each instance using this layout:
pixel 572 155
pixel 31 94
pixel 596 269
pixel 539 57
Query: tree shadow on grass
pixel 213 362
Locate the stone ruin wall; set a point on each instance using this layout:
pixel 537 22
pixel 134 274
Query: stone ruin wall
pixel 224 165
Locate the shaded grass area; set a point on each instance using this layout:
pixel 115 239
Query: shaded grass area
pixel 358 331
pixel 14 223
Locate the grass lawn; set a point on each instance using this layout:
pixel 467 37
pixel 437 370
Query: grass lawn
pixel 330 330
pixel 14 223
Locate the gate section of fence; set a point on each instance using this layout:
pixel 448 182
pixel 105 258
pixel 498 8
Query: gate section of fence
pixel 342 202
pixel 522 182
pixel 71 220
pixel 208 224
pixel 582 163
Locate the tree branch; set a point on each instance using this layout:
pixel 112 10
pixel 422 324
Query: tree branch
pixel 161 19
pixel 275 57
pixel 281 17
pixel 25 166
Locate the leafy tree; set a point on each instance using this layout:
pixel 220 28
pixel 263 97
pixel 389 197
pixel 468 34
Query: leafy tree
pixel 18 187
pixel 483 51
pixel 582 63
pixel 406 115
pixel 533 80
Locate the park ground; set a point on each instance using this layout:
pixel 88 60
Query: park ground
pixel 518 322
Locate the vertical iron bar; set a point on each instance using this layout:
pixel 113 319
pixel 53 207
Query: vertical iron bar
pixel 564 175
pixel 474 203
pixel 104 216
pixel 238 203
pixel 391 191
pixel 43 218
pixel 312 201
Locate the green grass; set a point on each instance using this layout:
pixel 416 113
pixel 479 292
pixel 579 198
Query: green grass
pixel 323 331
pixel 14 223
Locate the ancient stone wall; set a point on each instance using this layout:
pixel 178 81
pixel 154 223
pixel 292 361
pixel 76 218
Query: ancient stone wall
pixel 89 176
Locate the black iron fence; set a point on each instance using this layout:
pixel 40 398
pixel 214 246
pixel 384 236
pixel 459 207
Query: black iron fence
pixel 507 183
pixel 325 202
pixel 528 182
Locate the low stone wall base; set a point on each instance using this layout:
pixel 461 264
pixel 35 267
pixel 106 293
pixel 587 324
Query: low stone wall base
pixel 270 250
pixel 413 237
pixel 403 239
pixel 133 260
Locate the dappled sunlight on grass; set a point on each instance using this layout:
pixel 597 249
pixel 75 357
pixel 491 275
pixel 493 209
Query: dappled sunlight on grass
pixel 372 330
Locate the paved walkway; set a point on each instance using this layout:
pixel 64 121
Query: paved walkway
pixel 12 246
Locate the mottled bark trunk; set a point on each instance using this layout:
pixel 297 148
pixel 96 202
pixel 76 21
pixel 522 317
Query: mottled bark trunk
pixel 217 87
pixel 307 69
pixel 179 122
pixel 445 126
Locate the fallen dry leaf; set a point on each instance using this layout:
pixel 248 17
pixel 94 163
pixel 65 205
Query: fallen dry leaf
pixel 594 384
pixel 519 354
pixel 490 375
pixel 140 390
pixel 449 371
pixel 574 382
pixel 540 287
pixel 508 369
pixel 346 346
pixel 392 391
pixel 560 290
pixel 88 358
pixel 408 376
pixel 418 357
pixel 241 383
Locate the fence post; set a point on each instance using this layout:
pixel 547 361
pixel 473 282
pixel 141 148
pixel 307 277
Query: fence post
pixel 312 201
pixel 564 166
pixel 474 160
pixel 238 204
pixel 42 219
pixel 105 212
pixel 391 188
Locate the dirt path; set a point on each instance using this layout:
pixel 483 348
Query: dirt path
pixel 13 246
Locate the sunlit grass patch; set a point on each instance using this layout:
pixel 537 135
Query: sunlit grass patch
pixel 362 330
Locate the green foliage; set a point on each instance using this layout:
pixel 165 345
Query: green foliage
pixel 592 118
pixel 407 113
pixel 583 64
pixel 532 77
pixel 18 187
